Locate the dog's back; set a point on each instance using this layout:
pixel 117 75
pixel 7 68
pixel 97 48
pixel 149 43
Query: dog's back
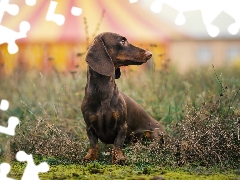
pixel 139 122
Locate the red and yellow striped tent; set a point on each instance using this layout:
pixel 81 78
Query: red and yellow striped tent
pixel 46 39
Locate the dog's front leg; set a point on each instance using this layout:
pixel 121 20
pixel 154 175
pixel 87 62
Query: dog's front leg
pixel 92 153
pixel 117 154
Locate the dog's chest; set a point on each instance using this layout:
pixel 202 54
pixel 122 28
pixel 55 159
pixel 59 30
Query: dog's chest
pixel 105 111
pixel 106 124
pixel 105 121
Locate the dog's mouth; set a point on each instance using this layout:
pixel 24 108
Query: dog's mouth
pixel 146 56
pixel 129 62
pixel 137 61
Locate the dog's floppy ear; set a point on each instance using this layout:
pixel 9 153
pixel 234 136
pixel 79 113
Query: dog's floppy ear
pixel 98 58
pixel 117 73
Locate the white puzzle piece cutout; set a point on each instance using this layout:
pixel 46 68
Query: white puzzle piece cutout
pixel 133 1
pixel 59 19
pixel 10 130
pixel 76 11
pixel 210 10
pixel 30 2
pixel 4 105
pixel 9 36
pixel 4 170
pixel 12 9
pixel 31 171
pixel 12 123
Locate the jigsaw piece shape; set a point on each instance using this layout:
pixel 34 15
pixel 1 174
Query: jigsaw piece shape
pixel 12 9
pixel 209 9
pixel 4 170
pixel 231 7
pixel 76 11
pixel 4 105
pixel 9 36
pixel 133 1
pixel 12 123
pixel 59 19
pixel 30 2
pixel 180 19
pixel 31 171
pixel 156 7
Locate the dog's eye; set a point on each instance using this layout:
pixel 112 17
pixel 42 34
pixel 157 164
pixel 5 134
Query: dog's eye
pixel 122 42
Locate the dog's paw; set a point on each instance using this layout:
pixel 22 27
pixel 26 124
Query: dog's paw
pixel 117 157
pixel 91 155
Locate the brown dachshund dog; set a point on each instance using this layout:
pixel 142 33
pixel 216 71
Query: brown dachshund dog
pixel 110 115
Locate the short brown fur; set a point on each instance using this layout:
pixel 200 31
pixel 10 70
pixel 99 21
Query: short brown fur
pixel 110 115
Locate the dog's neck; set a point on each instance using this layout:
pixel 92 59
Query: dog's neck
pixel 101 86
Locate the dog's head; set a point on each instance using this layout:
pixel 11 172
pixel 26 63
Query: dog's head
pixel 110 51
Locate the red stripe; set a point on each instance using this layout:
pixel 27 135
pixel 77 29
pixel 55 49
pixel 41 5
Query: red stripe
pixel 111 18
pixel 70 29
pixel 145 20
pixel 33 18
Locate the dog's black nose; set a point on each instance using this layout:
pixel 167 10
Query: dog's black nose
pixel 148 54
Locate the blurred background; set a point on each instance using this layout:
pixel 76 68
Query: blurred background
pixel 177 32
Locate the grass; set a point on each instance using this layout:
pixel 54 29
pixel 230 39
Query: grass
pixel 199 110
pixel 98 171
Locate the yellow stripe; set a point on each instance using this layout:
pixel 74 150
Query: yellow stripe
pixel 47 30
pixel 9 60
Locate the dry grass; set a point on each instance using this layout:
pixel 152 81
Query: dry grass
pixel 208 136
